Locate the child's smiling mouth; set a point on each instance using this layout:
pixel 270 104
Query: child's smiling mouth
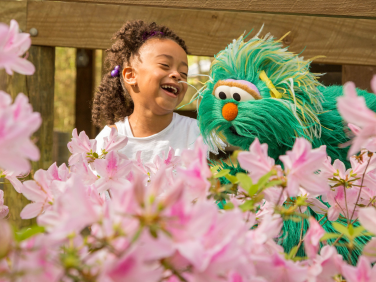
pixel 171 89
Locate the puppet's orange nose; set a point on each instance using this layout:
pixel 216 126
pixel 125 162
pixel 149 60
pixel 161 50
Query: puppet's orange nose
pixel 230 111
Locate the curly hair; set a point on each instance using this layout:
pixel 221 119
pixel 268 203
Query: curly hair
pixel 112 101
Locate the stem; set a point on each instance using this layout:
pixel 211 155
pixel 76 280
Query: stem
pixel 347 209
pixel 325 222
pixel 322 218
pixel 301 234
pixel 336 241
pixel 173 270
pixel 361 185
pixel 280 196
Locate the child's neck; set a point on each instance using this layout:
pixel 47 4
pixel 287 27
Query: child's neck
pixel 146 124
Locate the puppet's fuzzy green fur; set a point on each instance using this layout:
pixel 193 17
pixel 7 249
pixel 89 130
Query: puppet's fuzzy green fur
pixel 307 109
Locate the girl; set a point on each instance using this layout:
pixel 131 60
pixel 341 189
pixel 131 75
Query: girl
pixel 148 68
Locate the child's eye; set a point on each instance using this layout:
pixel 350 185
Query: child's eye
pixel 165 65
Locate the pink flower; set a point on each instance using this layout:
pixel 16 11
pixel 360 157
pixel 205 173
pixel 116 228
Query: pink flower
pixel 312 238
pixel 38 191
pixel 369 250
pixel 301 164
pixel 81 144
pixel 60 173
pixel 72 210
pixel 13 45
pixel 361 119
pixel 331 263
pixel 196 171
pixel 256 161
pixel 4 210
pixel 113 172
pixel 17 123
pixel 353 108
pixel 81 167
pixel 363 272
pixel 367 217
pixel 6 238
pixel 12 177
pixel 132 267
pixel 282 270
pixel 114 142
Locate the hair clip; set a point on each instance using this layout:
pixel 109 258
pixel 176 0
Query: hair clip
pixel 115 71
pixel 147 35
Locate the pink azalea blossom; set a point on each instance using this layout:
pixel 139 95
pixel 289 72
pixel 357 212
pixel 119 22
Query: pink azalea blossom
pixel 196 171
pixel 364 138
pixel 256 161
pixel 282 270
pixel 60 173
pixel 81 144
pixel 81 167
pixel 114 142
pixel 12 46
pixel 112 171
pixel 6 239
pixel 312 238
pixel 367 217
pixel 132 267
pixel 363 272
pixel 17 123
pixel 301 164
pixel 369 250
pixel 36 263
pixel 361 119
pixel 353 108
pixel 71 212
pixel 12 177
pixel 4 210
pixel 38 191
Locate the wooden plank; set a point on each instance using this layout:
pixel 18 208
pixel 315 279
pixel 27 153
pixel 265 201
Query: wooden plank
pixel 360 75
pixel 39 87
pixel 84 90
pixel 364 8
pixel 347 41
pixel 13 10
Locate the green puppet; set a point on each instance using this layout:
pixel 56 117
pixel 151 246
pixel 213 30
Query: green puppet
pixel 258 89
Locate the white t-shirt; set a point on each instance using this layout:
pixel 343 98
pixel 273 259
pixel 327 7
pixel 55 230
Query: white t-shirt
pixel 180 134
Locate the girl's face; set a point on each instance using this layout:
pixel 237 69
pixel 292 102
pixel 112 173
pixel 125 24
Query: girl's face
pixel 161 64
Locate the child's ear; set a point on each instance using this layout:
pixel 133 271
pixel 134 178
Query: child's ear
pixel 129 76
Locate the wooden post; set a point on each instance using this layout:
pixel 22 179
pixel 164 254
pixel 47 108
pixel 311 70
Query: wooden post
pixel 39 87
pixel 360 75
pixel 85 67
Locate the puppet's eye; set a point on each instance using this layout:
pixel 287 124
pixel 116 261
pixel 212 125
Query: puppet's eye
pixel 240 95
pixel 223 92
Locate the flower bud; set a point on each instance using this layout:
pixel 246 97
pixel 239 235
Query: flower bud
pixel 6 238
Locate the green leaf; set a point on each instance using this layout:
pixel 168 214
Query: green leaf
pixel 246 206
pixel 244 180
pixel 264 179
pixel 358 231
pixel 214 169
pixel 292 252
pixel 28 232
pixel 231 178
pixel 328 236
pixel 341 229
pixel 222 173
pixel 253 189
pixel 273 183
pixel 350 227
pixel 228 206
